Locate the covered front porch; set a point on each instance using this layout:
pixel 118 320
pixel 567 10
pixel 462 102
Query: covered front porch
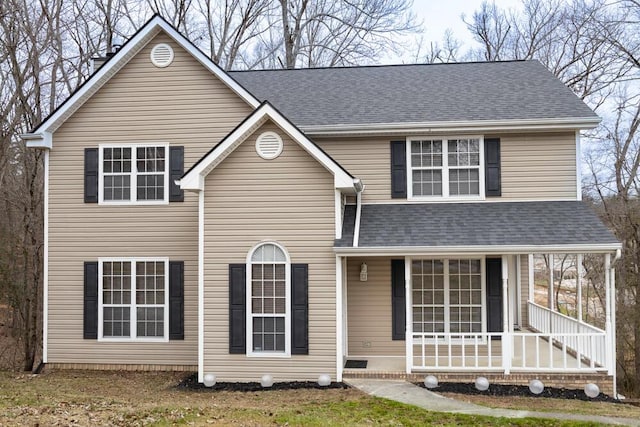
pixel 507 309
pixel 469 320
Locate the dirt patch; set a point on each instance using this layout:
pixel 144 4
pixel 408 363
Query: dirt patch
pixel 519 390
pixel 191 383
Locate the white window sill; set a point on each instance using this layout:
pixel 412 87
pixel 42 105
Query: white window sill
pixel 140 203
pixel 134 340
pixel 268 354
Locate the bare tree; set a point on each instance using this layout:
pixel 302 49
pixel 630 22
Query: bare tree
pixel 341 32
pixel 615 186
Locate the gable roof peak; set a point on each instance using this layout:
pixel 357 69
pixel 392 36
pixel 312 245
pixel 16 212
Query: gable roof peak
pixel 40 136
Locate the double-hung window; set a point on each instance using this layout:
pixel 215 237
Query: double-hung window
pixel 269 292
pixel 133 299
pixel 133 174
pixel 447 295
pixel 445 167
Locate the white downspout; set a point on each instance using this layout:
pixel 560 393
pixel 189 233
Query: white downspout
pixel 45 262
pixel 201 286
pixel 356 231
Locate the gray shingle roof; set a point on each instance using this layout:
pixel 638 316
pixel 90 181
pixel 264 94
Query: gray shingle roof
pixel 476 224
pixel 514 90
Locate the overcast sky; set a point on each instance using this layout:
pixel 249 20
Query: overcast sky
pixel 439 15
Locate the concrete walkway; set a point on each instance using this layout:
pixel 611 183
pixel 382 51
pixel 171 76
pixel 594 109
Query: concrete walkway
pixel 406 392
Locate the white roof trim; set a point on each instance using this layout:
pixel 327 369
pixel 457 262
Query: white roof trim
pixel 38 140
pixel 194 179
pixel 111 67
pixel 476 250
pixel 453 126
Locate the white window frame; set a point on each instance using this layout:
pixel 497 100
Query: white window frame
pixel 445 168
pixel 133 175
pixel 250 315
pixel 447 290
pixel 133 305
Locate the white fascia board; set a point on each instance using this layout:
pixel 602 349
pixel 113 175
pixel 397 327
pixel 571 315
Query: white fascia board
pixel 482 126
pixel 475 250
pixel 122 57
pixel 194 179
pixel 43 140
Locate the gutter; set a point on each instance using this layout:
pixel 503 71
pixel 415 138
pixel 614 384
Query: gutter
pixel 426 128
pixel 471 250
pixel 359 187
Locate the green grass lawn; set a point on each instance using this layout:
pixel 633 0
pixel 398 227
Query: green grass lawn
pixel 150 398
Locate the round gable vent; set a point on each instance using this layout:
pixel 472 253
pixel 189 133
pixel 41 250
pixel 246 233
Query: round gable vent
pixel 161 55
pixel 269 145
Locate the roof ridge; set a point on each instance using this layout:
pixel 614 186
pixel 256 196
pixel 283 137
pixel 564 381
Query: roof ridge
pixel 355 67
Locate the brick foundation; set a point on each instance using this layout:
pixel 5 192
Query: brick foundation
pixel 570 381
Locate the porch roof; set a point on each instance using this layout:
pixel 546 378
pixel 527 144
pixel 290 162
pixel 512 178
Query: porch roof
pixel 542 224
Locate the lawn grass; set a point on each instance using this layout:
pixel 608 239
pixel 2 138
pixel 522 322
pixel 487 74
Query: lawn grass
pixel 150 398
pixel 542 404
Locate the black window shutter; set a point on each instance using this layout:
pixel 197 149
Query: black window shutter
pixel 176 300
pixel 492 172
pixel 299 309
pixel 91 175
pixel 237 309
pixel 176 169
pixel 398 170
pixel 90 300
pixel 398 300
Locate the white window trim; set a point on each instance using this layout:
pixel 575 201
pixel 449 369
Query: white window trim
pixel 133 175
pixel 133 305
pixel 250 315
pixel 446 304
pixel 445 168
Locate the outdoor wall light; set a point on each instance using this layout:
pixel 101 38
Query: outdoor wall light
pixel 266 381
pixel 482 383
pixel 536 386
pixel 324 380
pixel 363 272
pixel 592 390
pixel 209 380
pixel 430 381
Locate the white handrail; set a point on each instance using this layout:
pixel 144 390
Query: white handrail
pixel 551 322
pixel 527 351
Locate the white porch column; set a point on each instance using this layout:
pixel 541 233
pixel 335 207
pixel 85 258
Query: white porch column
pixel 408 334
pixel 339 319
pixel 608 308
pixel 507 348
pixel 579 286
pixel 613 330
pixel 551 298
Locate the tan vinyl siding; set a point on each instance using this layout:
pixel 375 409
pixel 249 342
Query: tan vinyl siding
pixel 538 166
pixel 367 159
pixel 369 309
pixel 534 166
pixel 289 200
pixel 524 288
pixel 182 104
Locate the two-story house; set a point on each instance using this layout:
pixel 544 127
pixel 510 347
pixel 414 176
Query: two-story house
pixel 286 222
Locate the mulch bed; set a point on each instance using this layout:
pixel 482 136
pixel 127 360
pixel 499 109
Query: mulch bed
pixel 191 383
pixel 519 390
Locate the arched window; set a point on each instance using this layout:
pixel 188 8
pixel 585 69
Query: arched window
pixel 268 288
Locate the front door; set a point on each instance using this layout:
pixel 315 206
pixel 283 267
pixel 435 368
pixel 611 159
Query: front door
pixel 494 295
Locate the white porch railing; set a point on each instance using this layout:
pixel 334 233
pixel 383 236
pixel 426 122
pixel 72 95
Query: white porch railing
pixel 582 338
pixel 505 352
